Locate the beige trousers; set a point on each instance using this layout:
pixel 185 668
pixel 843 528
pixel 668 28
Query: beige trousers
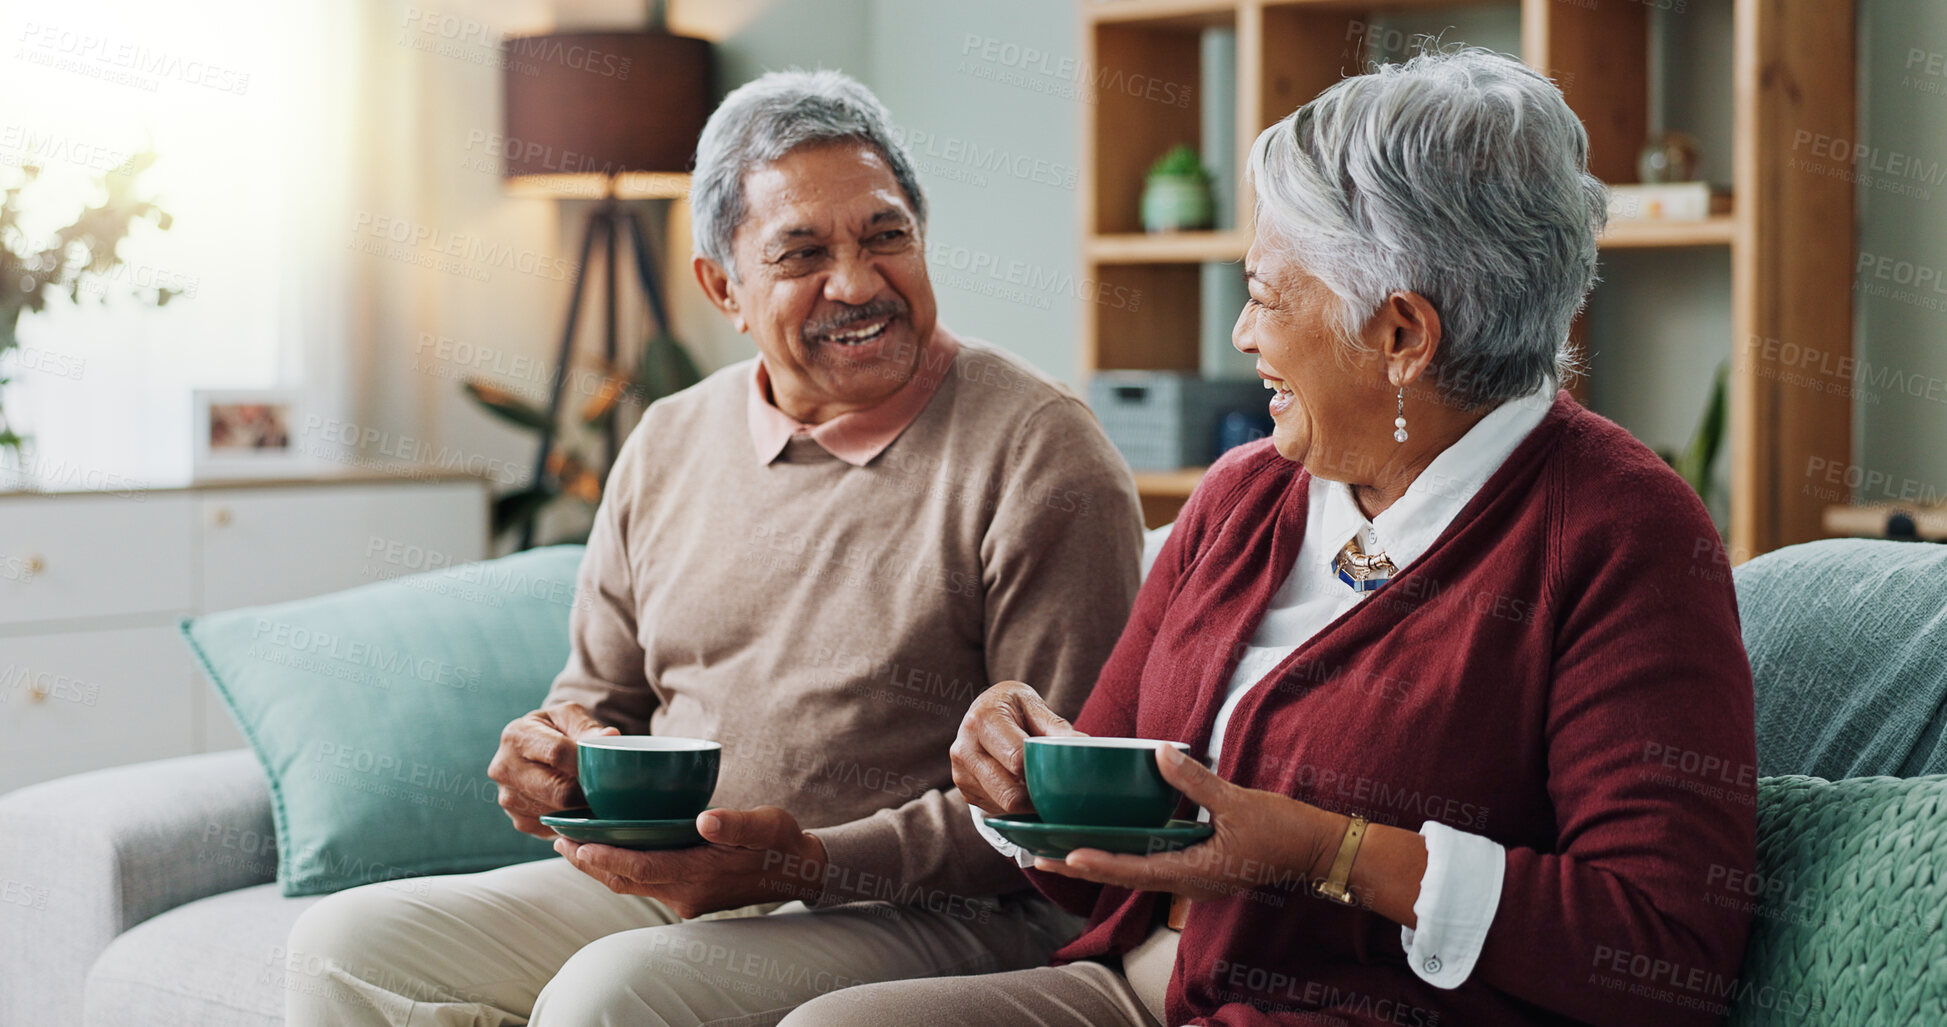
pixel 544 943
pixel 1076 995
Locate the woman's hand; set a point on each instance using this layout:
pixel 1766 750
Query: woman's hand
pixel 987 755
pixel 1262 840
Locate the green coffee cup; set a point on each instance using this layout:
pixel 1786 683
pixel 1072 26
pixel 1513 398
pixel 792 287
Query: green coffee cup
pixel 647 777
pixel 1078 780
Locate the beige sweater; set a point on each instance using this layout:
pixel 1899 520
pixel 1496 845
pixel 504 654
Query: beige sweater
pixel 830 624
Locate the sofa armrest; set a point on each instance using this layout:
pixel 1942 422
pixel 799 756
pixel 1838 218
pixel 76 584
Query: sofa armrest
pixel 86 857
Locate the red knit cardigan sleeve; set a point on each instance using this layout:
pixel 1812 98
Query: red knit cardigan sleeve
pixel 1652 753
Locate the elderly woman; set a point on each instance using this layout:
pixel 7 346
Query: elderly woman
pixel 1478 710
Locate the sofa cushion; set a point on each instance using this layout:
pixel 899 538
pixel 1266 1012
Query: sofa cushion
pixel 1848 646
pixel 216 962
pixel 375 712
pixel 1846 905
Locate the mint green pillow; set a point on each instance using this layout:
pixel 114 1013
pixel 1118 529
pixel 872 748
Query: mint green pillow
pixel 376 710
pixel 1847 904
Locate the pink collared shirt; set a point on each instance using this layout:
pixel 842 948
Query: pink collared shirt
pixel 859 436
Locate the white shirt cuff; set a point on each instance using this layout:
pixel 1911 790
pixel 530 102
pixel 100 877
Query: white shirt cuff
pixel 1021 857
pixel 1458 897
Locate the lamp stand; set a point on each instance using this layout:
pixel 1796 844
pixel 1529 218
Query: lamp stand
pixel 608 222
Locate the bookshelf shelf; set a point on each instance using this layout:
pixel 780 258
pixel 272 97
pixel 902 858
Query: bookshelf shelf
pixel 1716 230
pixel 1789 240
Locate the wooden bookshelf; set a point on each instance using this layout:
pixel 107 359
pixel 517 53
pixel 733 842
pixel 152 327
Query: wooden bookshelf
pixel 1167 247
pixel 1789 236
pixel 1716 230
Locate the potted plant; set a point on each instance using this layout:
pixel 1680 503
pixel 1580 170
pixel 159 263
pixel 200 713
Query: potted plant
pixel 70 262
pixel 572 472
pixel 1176 196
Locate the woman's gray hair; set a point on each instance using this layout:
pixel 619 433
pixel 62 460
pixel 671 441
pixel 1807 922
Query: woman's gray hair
pixel 768 117
pixel 1460 175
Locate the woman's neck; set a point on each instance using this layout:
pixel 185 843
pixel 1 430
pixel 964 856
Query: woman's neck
pixel 1436 430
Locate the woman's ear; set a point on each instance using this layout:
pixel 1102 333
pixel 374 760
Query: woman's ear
pixel 1408 330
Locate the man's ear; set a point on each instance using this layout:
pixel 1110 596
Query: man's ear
pixel 716 286
pixel 1408 330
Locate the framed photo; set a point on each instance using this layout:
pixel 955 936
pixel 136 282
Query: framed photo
pixel 247 433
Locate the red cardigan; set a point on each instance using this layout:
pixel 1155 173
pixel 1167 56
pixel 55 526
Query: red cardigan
pixel 1561 672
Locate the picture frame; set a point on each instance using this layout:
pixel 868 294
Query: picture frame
pixel 247 433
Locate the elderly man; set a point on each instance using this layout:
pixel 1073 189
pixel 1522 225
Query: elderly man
pixel 817 558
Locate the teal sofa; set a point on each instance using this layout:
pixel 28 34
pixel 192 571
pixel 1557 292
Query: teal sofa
pixel 165 911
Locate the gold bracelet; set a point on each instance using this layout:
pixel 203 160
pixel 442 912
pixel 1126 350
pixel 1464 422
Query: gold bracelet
pixel 1333 885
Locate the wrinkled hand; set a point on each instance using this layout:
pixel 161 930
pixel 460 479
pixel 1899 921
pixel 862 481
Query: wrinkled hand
pixel 753 856
pixel 535 766
pixel 1262 840
pixel 987 754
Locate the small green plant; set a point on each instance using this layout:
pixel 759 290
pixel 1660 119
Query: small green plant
pixel 664 368
pixel 72 262
pixel 1177 195
pixel 1697 458
pixel 1180 162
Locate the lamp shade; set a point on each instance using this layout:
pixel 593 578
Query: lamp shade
pixel 601 113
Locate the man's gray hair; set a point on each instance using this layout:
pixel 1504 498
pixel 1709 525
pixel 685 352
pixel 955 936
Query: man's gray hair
pixel 768 117
pixel 1460 175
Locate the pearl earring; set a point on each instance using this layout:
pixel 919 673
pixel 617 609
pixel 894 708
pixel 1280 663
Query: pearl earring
pixel 1399 419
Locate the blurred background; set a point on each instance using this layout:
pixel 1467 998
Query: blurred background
pixel 289 283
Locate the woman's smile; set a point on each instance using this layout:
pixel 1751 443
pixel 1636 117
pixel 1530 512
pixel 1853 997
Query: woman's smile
pixel 1281 397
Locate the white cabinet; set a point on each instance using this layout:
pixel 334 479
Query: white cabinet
pixel 78 700
pixel 96 556
pixel 269 545
pixel 92 670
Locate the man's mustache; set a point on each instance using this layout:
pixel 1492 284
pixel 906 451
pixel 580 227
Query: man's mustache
pixel 852 316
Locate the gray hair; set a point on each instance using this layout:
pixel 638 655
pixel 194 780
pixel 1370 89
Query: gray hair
pixel 768 117
pixel 1460 175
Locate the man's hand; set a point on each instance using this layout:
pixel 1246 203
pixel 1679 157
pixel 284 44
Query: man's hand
pixel 988 754
pixel 753 856
pixel 536 764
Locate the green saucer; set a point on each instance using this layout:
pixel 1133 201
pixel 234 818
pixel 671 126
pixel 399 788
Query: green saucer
pixel 580 825
pixel 1056 841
